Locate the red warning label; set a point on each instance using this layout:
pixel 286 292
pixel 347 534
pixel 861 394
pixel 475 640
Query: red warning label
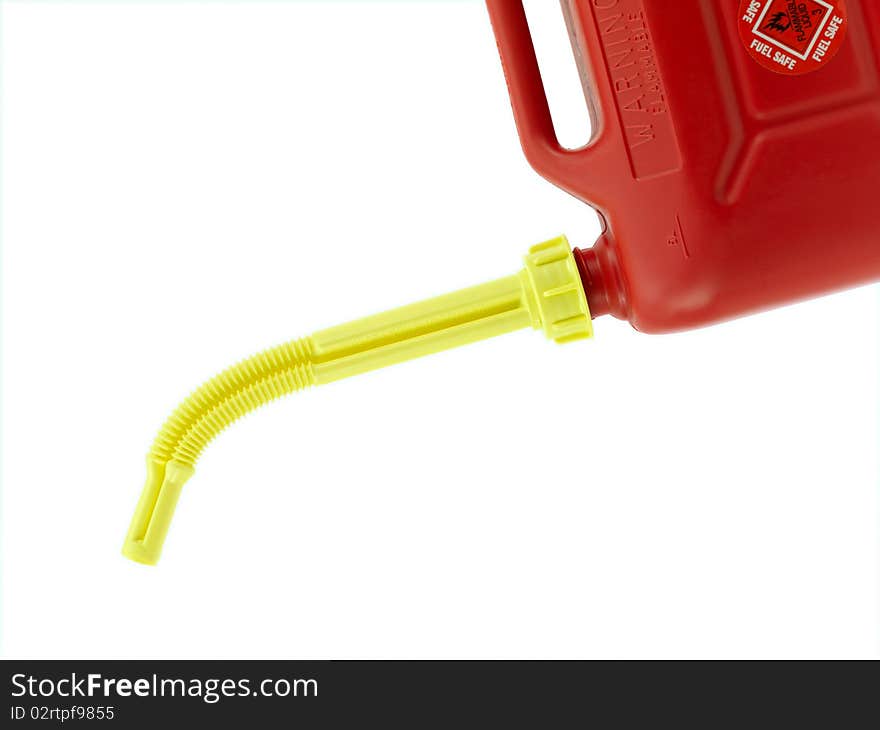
pixel 793 36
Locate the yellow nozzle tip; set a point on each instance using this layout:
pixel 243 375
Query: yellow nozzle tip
pixel 154 511
pixel 141 553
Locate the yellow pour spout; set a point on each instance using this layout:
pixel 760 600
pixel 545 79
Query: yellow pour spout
pixel 547 294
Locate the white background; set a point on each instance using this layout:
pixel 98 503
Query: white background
pixel 185 184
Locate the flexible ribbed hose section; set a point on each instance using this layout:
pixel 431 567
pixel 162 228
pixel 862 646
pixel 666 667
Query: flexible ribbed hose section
pixel 230 395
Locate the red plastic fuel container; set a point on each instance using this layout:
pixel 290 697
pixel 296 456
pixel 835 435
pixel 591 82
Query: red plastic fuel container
pixel 735 163
pixel 735 158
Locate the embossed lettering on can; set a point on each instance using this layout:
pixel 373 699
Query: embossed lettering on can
pixel 639 93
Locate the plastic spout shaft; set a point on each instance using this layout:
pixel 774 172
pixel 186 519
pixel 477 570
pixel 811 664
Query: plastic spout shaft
pixel 547 294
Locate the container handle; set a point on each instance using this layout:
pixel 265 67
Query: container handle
pixel 567 168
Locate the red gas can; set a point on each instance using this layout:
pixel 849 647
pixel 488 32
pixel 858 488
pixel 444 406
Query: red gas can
pixel 735 158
